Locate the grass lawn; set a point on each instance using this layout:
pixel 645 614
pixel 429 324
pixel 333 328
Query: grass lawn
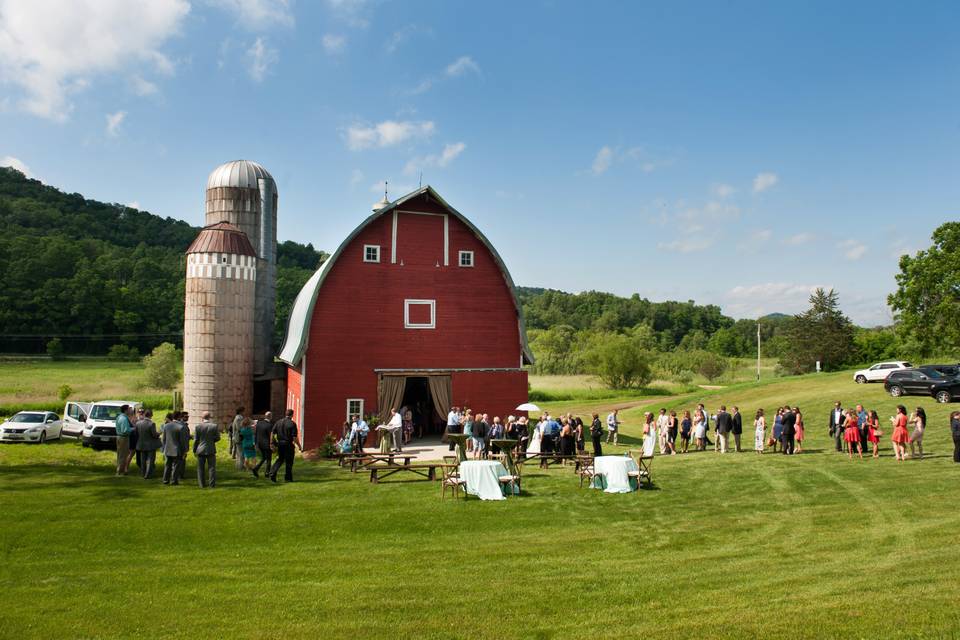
pixel 739 545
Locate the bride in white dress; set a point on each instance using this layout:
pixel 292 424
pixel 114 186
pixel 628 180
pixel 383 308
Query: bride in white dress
pixel 534 446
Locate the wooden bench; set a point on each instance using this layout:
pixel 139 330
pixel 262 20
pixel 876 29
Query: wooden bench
pixel 370 459
pixel 427 470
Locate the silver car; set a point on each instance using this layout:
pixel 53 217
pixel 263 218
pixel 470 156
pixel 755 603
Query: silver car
pixel 31 426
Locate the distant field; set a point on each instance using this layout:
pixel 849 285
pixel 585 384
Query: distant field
pixel 739 546
pixel 32 383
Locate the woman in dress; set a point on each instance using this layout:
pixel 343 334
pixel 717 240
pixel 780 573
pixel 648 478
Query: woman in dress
pixel 873 432
pixel 407 425
pixel 649 434
pixel 248 447
pixel 851 435
pixel 699 430
pixel 799 429
pixel 777 428
pixel 919 422
pixel 672 428
pixel 596 434
pixel 468 428
pixel 685 426
pixel 760 432
pixel 534 446
pixel 900 436
pixel 578 432
pixel 568 441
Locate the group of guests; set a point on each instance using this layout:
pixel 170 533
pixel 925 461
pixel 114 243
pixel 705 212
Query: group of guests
pixel 481 431
pixel 139 437
pixel 855 429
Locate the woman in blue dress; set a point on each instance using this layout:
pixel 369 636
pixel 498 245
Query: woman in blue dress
pixel 248 447
pixel 777 428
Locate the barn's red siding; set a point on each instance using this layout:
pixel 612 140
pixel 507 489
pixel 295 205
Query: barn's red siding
pixel 358 320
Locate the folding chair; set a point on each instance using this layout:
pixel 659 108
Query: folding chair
pixel 513 479
pixel 642 474
pixel 585 469
pixel 451 479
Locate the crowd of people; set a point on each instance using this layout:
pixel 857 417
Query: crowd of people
pixel 139 439
pixel 856 429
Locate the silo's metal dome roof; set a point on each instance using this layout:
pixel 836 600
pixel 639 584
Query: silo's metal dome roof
pixel 222 237
pixel 238 173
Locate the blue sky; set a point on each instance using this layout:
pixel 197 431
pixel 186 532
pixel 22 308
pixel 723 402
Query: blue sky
pixel 732 153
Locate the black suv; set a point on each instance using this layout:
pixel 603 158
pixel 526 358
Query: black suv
pixel 922 381
pixel 948 370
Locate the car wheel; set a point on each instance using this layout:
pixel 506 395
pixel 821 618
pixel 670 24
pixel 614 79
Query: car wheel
pixel 943 397
pixel 896 391
pixel 861 379
pixel 43 437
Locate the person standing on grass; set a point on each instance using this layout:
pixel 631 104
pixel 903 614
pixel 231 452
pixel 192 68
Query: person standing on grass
pixel 798 428
pixel 261 437
pixel 248 444
pixel 183 418
pixel 777 435
pixel 613 427
pixel 132 452
pixel 724 426
pixel 236 451
pixel 649 434
pixel 919 422
pixel 699 429
pixel 673 426
pixel 737 427
pixel 706 427
pixel 578 432
pixel 789 422
pixel 205 449
pixel 453 424
pixel 286 434
pixel 955 432
pixel 851 435
pixel 685 426
pixel 468 430
pixel 123 428
pixel 900 436
pixel 862 418
pixel 837 417
pixel 596 434
pixel 170 447
pixel 148 441
pixel 479 437
pixel 873 432
pixel 662 425
pixel 759 432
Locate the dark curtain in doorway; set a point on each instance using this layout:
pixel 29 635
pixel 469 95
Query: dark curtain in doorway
pixel 441 390
pixel 391 395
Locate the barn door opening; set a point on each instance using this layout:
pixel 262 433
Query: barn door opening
pixel 418 400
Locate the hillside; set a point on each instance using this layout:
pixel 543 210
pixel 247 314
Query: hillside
pixel 97 274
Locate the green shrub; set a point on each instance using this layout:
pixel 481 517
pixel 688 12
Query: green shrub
pixel 712 366
pixel 620 362
pixel 123 353
pixel 64 392
pixel 55 349
pixel 161 369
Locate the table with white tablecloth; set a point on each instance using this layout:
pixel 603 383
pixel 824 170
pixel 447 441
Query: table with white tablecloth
pixel 611 474
pixel 482 478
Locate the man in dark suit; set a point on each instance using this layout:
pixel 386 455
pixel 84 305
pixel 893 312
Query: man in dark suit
pixel 261 435
pixel 789 422
pixel 287 436
pixel 183 419
pixel 737 427
pixel 205 448
pixel 148 441
pixel 837 418
pixel 724 426
pixel 170 439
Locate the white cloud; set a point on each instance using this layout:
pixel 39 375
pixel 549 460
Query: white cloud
pixel 722 190
pixel 261 57
pixel 258 14
pixel 142 87
pixel 753 301
pixel 387 133
pixel 52 49
pixel 134 205
pixel 687 245
pixel 602 161
pixel 403 35
pixel 800 238
pixel 462 65
pixel 445 157
pixel 761 235
pixel 353 12
pixel 16 163
pixel 114 120
pixel 333 43
pixel 852 249
pixel 764 181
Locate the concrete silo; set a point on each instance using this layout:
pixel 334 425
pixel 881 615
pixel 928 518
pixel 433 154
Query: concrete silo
pixel 244 194
pixel 218 336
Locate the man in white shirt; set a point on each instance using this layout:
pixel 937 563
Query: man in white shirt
pixel 358 433
pixel 453 423
pixel 613 426
pixel 663 423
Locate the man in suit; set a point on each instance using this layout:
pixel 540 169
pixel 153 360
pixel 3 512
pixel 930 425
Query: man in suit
pixel 287 436
pixel 724 426
pixel 170 441
pixel 261 436
pixel 789 422
pixel 148 441
pixel 737 427
pixel 183 419
pixel 205 448
pixel 837 418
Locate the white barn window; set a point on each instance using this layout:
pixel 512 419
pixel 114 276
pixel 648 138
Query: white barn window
pixel 354 408
pixel 419 314
pixel 466 258
pixel 371 253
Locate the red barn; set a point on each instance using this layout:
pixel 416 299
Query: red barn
pixel 414 308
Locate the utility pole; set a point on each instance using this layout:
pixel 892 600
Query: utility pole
pixel 758 350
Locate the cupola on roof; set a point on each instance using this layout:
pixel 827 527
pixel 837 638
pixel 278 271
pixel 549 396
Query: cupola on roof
pixel 222 237
pixel 238 173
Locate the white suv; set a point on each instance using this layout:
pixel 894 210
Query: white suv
pixel 879 371
pixel 100 430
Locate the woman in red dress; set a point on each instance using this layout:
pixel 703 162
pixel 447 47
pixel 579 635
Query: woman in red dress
pixel 874 433
pixel 900 435
pixel 851 435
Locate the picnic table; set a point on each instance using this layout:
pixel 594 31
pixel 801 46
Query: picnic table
pixel 427 470
pixel 546 459
pixel 611 473
pixel 368 459
pixel 482 478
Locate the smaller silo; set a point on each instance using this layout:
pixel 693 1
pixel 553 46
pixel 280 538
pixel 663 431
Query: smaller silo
pixel 219 326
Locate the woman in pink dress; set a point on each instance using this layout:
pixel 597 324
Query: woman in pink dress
pixel 851 435
pixel 874 433
pixel 900 435
pixel 799 429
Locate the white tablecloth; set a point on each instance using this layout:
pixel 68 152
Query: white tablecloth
pixel 482 478
pixel 612 473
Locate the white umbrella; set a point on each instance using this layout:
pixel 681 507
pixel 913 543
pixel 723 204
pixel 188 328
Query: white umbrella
pixel 527 406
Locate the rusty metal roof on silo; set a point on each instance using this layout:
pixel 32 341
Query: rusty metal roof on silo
pixel 222 237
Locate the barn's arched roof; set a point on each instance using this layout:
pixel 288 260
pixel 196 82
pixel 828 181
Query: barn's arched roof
pixel 298 326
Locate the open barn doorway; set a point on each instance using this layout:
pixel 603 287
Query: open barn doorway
pixel 419 401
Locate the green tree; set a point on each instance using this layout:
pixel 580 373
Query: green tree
pixel 712 366
pixel 161 369
pixel 822 333
pixel 619 361
pixel 55 349
pixel 926 303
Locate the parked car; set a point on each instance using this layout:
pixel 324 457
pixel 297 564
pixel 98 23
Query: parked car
pixel 879 371
pixel 922 381
pixel 100 431
pixel 31 426
pixel 948 370
pixel 75 418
